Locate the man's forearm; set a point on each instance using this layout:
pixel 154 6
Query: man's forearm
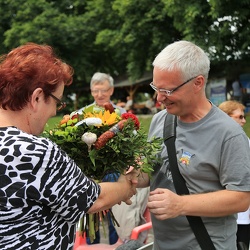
pixel 165 204
pixel 215 204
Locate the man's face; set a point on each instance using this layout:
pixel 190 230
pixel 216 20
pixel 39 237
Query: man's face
pixel 101 91
pixel 177 100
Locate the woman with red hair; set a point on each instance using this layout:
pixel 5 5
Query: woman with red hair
pixel 43 193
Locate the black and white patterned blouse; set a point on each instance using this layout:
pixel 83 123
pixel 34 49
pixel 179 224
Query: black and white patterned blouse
pixel 43 193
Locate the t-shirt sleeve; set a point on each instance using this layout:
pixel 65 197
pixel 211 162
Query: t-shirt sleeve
pixel 234 170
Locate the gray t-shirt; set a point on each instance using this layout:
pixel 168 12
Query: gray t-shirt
pixel 212 154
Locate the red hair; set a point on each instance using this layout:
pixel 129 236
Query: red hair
pixel 29 67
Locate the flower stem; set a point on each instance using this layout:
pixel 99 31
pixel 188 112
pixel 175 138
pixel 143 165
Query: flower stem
pixel 91 228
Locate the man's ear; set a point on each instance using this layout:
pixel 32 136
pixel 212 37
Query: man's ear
pixel 199 82
pixel 112 91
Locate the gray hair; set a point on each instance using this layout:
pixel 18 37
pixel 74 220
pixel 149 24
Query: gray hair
pixel 101 77
pixel 185 57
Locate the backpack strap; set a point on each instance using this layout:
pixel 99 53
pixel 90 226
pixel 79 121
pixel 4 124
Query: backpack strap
pixel 195 222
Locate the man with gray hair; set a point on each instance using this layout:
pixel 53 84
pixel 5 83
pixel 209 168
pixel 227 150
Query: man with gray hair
pixel 102 88
pixel 215 169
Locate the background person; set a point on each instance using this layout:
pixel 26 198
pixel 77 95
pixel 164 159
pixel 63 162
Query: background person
pixel 208 158
pixel 102 88
pixel 129 104
pixel 236 110
pixel 150 105
pixel 43 193
pixel 120 103
pixel 237 90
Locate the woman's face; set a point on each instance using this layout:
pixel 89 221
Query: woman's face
pixel 239 116
pixel 46 109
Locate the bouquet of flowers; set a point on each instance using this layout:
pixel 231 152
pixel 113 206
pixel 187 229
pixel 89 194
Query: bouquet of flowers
pixel 102 143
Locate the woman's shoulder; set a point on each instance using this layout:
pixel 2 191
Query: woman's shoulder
pixel 13 135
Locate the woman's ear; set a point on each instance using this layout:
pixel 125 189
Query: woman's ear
pixel 36 98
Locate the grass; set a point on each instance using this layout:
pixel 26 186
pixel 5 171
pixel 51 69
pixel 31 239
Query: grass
pixel 145 123
pixel 247 125
pixel 52 122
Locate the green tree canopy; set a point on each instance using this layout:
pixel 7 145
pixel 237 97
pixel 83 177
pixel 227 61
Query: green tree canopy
pixel 122 37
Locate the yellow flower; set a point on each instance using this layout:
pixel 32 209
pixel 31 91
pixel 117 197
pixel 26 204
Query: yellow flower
pixel 106 117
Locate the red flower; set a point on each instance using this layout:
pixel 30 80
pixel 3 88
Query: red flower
pixel 133 117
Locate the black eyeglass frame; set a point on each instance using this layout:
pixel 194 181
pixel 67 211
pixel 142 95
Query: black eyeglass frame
pixel 170 92
pixel 241 117
pixel 61 104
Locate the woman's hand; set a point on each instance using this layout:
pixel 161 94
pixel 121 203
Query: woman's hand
pixel 113 193
pixel 130 181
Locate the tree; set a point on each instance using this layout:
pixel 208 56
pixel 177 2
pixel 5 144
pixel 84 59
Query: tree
pixel 112 36
pixel 122 37
pixel 221 27
pixel 142 30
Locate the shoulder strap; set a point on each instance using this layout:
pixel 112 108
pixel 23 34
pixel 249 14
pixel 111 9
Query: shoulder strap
pixel 196 223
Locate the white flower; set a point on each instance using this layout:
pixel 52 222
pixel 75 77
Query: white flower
pixel 89 138
pixel 79 123
pixel 90 121
pixel 93 121
pixel 74 113
pixel 134 132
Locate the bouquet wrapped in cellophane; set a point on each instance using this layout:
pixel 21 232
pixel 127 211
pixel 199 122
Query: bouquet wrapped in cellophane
pixel 104 143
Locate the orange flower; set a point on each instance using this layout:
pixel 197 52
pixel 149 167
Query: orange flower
pixel 65 119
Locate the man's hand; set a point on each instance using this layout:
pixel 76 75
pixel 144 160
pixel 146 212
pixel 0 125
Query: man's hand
pixel 164 204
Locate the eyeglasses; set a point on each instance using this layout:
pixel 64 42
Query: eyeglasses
pixel 241 117
pixel 169 92
pixel 102 91
pixel 60 104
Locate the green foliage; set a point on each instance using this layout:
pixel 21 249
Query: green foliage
pixel 220 27
pixel 139 34
pixel 122 37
